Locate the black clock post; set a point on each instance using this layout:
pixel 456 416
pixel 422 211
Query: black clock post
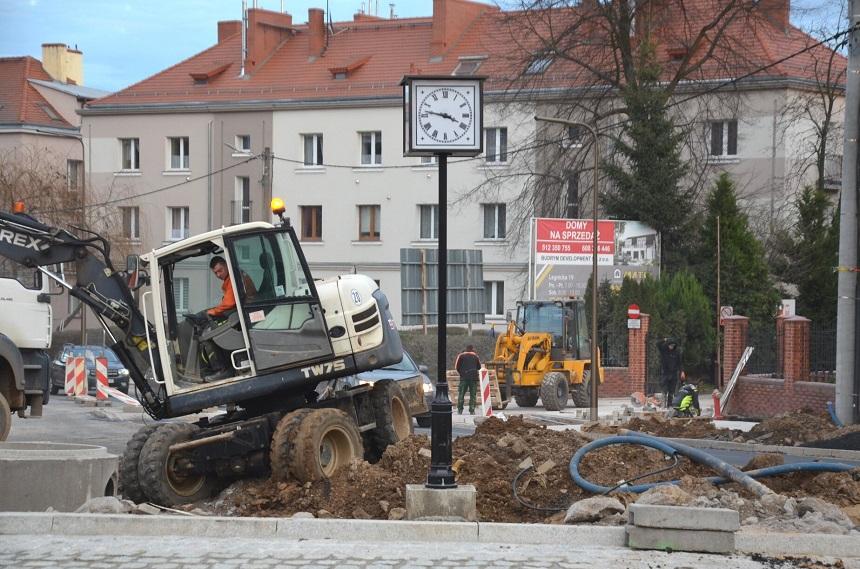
pixel 441 475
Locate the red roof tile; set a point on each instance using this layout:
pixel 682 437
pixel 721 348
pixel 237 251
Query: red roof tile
pixel 20 102
pixel 405 46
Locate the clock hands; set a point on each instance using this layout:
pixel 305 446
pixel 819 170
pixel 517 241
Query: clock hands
pixel 443 115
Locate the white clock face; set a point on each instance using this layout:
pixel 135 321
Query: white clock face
pixel 445 115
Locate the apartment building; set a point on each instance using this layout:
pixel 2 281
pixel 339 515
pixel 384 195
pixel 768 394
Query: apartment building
pixel 314 112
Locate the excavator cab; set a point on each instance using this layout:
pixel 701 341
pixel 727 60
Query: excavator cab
pixel 277 321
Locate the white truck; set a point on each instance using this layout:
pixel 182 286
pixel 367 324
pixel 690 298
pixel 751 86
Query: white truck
pixel 25 337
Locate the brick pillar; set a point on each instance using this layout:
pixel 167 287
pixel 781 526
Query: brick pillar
pixel 735 330
pixel 780 346
pixel 795 363
pixel 637 353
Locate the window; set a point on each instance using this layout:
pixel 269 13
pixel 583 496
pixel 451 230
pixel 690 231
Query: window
pixel 538 65
pixel 243 143
pixel 724 138
pixel 494 298
pixel 572 137
pixel 428 160
pixel 371 148
pixel 242 200
pixel 177 222
pixel 368 223
pixel 130 222
pixel 571 206
pixel 494 221
pixel 181 290
pixel 74 174
pixel 429 221
pixel 496 145
pixel 130 153
pixel 311 222
pixel 313 149
pixel 468 65
pixel 179 153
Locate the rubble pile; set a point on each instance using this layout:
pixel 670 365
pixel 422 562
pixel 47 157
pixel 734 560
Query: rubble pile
pixel 498 451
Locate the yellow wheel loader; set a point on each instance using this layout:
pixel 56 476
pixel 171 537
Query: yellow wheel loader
pixel 546 354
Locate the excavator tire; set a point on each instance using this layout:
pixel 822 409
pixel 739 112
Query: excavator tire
pixel 281 450
pixel 554 391
pixel 527 397
pixel 581 392
pixel 325 441
pixel 156 468
pixel 128 485
pixel 5 418
pixel 393 420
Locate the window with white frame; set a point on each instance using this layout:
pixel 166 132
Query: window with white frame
pixel 368 223
pixel 494 298
pixel 181 292
pixel 130 222
pixel 496 145
pixel 429 221
pixel 494 220
pixel 130 153
pixel 179 149
pixel 724 138
pixel 243 143
pixel 371 148
pixel 74 174
pixel 177 223
pixel 242 200
pixel 313 149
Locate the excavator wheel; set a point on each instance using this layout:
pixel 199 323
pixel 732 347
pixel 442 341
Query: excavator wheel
pixel 128 485
pixel 160 471
pixel 527 397
pixel 5 418
pixel 554 391
pixel 281 450
pixel 581 392
pixel 325 441
pixel 393 420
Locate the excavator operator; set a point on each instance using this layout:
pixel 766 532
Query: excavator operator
pixel 211 354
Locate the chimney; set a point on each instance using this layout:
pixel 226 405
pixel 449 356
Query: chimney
pixel 316 33
pixel 450 20
pixel 266 31
pixel 63 63
pixel 228 29
pixel 776 11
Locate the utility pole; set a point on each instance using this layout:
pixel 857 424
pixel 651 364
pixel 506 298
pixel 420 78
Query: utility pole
pixel 267 181
pixel 846 304
pixel 719 379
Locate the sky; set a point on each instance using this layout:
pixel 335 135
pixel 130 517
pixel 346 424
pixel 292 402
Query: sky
pixel 125 41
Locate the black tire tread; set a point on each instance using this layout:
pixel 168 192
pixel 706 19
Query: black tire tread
pixel 128 484
pixel 305 441
pixel 152 461
pixel 527 397
pixel 5 418
pixel 581 392
pixel 549 391
pixel 281 449
pixel 384 433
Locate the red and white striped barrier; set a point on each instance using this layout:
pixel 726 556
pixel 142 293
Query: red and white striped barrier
pixel 69 388
pixel 486 398
pixel 76 376
pixel 101 379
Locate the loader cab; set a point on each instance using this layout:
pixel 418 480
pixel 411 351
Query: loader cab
pixel 565 320
pixel 277 321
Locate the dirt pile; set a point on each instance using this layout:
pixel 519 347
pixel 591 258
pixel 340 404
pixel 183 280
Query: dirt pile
pixel 793 428
pixel 659 425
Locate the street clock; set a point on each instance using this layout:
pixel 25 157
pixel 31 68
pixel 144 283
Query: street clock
pixel 442 115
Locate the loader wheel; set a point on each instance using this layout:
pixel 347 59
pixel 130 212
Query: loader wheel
pixel 5 418
pixel 581 392
pixel 393 421
pixel 161 476
pixel 527 397
pixel 554 391
pixel 281 450
pixel 325 441
pixel 128 485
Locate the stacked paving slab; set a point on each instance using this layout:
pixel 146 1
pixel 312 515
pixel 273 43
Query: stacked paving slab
pixel 680 528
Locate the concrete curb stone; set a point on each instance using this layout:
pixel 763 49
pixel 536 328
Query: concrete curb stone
pixel 817 545
pixel 684 517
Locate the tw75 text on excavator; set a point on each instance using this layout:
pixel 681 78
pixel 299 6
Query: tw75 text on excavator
pixel 545 354
pixel 285 343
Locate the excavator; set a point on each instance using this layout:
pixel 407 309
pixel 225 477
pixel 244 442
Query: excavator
pixel 546 353
pixel 287 341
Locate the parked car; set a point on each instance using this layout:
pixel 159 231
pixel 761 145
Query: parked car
pixel 414 383
pixel 116 372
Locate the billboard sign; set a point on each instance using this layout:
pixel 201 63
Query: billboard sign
pixel 561 254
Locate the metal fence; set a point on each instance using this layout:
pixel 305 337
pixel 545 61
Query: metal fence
pixel 822 352
pixel 767 342
pixel 613 348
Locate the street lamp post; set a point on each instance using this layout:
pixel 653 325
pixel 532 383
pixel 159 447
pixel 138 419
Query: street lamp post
pixel 595 359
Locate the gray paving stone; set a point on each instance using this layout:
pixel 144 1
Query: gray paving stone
pixel 681 540
pixel 682 517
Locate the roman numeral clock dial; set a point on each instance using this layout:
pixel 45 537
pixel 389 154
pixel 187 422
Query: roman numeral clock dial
pixel 445 115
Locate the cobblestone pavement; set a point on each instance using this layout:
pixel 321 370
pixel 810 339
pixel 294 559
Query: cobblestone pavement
pixel 123 552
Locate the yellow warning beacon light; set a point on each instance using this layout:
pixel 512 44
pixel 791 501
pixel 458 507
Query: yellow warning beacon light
pixel 278 208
